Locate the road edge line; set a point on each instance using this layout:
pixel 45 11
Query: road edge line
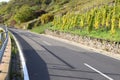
pixel 109 78
pixel 25 71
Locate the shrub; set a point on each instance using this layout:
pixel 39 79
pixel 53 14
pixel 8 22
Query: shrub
pixel 46 18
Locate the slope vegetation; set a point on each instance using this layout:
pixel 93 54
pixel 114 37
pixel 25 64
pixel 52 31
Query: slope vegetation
pixel 94 18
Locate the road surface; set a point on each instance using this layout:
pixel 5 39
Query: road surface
pixel 51 59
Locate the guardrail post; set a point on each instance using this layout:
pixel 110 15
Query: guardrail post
pixel 2 39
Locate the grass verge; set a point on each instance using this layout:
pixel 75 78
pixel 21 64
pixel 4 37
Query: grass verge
pixel 15 67
pixel 99 34
pixel 40 29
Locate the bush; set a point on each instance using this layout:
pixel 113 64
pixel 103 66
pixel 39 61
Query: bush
pixel 46 18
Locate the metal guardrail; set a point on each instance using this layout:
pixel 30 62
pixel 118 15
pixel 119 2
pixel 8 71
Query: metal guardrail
pixel 4 40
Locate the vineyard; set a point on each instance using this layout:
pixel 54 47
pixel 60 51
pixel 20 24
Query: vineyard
pixel 103 21
pixel 93 18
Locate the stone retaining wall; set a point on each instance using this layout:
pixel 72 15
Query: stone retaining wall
pixel 110 46
pixel 5 62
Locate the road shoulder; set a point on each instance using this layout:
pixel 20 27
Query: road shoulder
pixel 109 54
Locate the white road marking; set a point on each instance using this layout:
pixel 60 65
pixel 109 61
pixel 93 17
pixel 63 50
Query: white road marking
pixel 47 43
pixel 109 78
pixel 25 71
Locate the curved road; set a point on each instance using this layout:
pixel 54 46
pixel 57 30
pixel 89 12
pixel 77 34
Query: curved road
pixel 50 59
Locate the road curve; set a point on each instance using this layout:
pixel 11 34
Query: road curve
pixel 50 59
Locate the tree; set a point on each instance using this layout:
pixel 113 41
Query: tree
pixel 25 13
pixel 38 1
pixel 3 3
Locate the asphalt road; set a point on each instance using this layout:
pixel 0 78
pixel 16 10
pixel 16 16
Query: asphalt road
pixel 50 59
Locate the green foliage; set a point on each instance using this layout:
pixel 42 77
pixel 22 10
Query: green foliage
pixel 24 14
pixel 104 19
pixel 113 24
pixel 64 1
pixel 42 1
pixel 45 18
pixel 38 1
pixel 90 26
pixel 40 29
pixel 2 3
pixel 94 19
pixel 55 6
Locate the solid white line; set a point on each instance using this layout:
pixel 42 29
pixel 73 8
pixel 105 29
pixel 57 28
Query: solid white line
pixel 109 78
pixel 25 71
pixel 47 43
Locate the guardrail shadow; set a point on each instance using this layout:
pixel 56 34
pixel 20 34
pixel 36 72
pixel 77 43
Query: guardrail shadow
pixel 64 71
pixel 37 68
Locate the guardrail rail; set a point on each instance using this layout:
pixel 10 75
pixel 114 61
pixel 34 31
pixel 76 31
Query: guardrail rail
pixel 4 40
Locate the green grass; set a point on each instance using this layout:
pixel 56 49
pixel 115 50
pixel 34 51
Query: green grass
pixel 106 35
pixel 15 66
pixel 99 34
pixel 40 29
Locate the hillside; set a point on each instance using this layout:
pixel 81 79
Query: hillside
pixel 94 18
pixel 60 7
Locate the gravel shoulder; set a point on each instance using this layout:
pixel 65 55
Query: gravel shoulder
pixel 109 54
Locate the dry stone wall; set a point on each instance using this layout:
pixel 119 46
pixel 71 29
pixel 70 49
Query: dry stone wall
pixel 110 46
